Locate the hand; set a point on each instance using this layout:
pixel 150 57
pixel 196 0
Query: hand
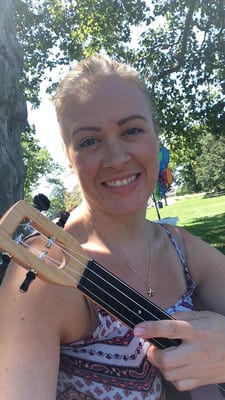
pixel 200 359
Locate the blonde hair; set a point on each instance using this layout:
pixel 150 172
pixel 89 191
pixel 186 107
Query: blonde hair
pixel 78 82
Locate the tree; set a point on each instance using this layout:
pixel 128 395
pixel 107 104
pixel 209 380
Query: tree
pixel 185 155
pixel 73 199
pixel 61 200
pixel 38 163
pixel 13 113
pixel 54 32
pixel 210 168
pixel 57 200
pixel 183 60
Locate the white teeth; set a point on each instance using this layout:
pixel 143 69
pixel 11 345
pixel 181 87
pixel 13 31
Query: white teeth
pixel 122 182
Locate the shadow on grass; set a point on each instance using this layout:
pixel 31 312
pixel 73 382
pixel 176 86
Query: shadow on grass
pixel 216 194
pixel 210 229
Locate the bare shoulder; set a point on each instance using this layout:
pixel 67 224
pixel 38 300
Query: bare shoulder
pixel 64 310
pixel 32 326
pixel 75 224
pixel 61 311
pixel 207 267
pixel 200 255
pixel 201 251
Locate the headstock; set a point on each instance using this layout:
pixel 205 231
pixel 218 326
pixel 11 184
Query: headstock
pixel 66 270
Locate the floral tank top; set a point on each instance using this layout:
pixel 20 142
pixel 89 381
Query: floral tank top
pixel 112 364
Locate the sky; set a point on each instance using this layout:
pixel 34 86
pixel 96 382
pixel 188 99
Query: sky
pixel 47 129
pixel 47 133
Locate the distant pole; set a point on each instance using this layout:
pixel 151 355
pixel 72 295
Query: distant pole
pixel 157 210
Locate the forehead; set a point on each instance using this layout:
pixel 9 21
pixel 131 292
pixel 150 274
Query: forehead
pixel 110 99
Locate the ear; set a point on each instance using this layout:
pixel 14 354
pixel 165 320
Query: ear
pixel 70 167
pixel 72 170
pixel 65 151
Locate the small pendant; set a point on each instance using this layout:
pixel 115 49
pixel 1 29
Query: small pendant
pixel 150 292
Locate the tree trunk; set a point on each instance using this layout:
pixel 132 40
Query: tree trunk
pixel 13 110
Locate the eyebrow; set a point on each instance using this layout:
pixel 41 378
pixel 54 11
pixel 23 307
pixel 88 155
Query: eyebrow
pixel 120 122
pixel 127 119
pixel 86 128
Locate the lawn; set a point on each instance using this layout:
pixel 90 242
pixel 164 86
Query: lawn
pixel 202 215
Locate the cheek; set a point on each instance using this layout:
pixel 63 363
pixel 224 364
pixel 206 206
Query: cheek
pixel 151 156
pixel 75 165
pixel 77 162
pixel 85 170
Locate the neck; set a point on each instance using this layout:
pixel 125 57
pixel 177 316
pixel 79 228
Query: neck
pixel 122 228
pixel 123 239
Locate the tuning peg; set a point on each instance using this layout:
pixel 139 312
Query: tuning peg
pixel 63 217
pixel 41 202
pixel 4 260
pixel 30 276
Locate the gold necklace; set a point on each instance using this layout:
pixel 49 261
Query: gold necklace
pixel 110 246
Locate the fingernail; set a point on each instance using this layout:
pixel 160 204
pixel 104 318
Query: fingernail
pixel 139 331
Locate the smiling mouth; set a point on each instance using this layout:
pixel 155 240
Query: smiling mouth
pixel 121 182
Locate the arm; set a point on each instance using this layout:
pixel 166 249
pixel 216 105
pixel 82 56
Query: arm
pixel 31 327
pixel 29 340
pixel 207 266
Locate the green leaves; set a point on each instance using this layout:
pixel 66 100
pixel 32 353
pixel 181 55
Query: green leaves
pixel 53 32
pixel 37 163
pixel 210 169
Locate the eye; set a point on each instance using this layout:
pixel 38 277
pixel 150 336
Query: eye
pixel 132 131
pixel 88 142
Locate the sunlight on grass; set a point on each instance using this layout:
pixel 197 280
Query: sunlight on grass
pixel 201 215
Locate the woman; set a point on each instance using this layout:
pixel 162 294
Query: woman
pixel 53 336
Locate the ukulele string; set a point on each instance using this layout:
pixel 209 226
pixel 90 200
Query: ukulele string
pixel 54 263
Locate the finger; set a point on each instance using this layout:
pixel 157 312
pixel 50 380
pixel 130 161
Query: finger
pixel 172 329
pixel 186 384
pixel 171 358
pixel 179 374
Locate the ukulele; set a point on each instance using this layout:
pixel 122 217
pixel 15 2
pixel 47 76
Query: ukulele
pixel 74 269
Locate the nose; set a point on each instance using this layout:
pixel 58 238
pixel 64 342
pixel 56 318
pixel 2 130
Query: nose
pixel 115 155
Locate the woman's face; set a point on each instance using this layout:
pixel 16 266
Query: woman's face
pixel 112 146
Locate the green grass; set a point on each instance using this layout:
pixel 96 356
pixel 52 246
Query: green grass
pixel 201 215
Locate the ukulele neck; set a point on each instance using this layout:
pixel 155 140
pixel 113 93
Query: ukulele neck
pixel 119 299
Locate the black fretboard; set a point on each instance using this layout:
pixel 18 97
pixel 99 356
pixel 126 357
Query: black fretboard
pixel 124 303
pixel 121 300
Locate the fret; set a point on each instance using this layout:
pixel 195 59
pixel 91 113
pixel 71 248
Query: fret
pixel 121 300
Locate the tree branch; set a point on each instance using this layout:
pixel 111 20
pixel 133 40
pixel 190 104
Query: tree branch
pixel 185 36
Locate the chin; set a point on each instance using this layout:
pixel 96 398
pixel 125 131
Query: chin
pixel 128 209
